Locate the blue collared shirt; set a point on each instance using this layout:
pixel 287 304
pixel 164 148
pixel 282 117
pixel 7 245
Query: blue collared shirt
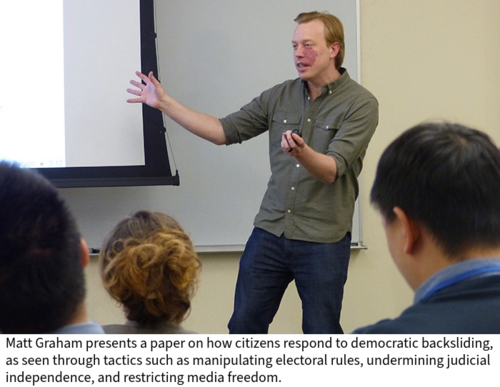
pixel 453 274
pixel 83 328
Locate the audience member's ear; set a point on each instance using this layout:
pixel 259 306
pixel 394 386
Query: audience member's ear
pixel 411 230
pixel 85 253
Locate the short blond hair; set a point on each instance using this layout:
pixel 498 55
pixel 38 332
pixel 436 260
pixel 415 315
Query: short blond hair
pixel 149 265
pixel 334 31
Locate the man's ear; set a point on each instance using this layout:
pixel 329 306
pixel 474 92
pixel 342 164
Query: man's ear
pixel 411 230
pixel 335 48
pixel 84 252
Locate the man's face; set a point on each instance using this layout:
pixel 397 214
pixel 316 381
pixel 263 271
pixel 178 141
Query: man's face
pixel 313 58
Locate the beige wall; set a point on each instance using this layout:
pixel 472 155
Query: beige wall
pixel 423 60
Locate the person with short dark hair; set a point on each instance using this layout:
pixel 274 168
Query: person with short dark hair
pixel 437 188
pixel 149 265
pixel 42 258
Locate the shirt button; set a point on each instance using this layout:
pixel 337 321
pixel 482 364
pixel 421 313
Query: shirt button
pixel 293 188
pixel 298 165
pixel 308 120
pixel 289 211
pixel 284 121
pixel 331 92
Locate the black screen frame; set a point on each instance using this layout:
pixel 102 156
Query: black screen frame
pixel 156 169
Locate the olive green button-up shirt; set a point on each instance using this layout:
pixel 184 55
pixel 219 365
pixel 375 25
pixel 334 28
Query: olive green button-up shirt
pixel 340 124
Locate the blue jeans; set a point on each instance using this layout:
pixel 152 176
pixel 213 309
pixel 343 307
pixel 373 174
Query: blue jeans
pixel 269 263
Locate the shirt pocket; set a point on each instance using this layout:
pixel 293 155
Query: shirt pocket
pixel 281 122
pixel 324 132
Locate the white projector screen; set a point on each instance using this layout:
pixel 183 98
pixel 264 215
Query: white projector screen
pixel 63 106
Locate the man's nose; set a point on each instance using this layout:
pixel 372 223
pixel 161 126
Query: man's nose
pixel 299 51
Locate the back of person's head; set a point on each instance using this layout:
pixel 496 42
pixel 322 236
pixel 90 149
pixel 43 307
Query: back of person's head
pixel 42 282
pixel 149 265
pixel 447 177
pixel 334 31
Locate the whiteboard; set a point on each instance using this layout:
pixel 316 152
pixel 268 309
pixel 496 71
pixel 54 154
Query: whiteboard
pixel 215 56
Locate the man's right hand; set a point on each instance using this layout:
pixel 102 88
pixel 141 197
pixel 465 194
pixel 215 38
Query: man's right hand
pixel 149 91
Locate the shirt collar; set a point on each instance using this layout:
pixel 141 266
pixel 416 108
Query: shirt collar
pixel 87 327
pixel 330 87
pixel 457 273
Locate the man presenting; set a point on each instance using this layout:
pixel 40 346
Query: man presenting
pixel 302 231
